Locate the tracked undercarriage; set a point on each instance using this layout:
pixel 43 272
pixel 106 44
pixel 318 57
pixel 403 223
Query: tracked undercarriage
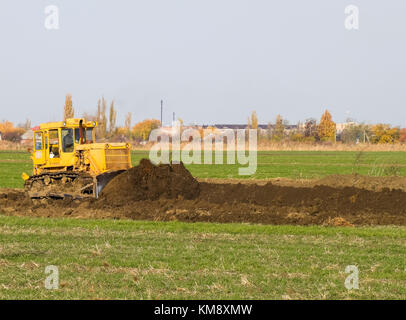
pixel 59 185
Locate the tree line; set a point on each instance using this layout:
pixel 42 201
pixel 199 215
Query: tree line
pixel 310 131
pixel 107 122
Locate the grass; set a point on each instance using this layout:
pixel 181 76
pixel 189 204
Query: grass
pixel 271 164
pixel 109 259
pixel 112 259
pixel 12 164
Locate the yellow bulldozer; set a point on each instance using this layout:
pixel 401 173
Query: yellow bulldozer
pixel 69 163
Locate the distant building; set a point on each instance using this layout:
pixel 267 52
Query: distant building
pixel 218 129
pixel 26 138
pixel 341 126
pixel 263 129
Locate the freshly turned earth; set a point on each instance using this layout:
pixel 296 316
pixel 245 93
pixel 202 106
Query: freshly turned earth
pixel 169 192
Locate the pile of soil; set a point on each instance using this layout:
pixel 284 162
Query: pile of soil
pixel 150 182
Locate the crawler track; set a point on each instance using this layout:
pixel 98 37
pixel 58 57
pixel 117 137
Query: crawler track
pixel 59 185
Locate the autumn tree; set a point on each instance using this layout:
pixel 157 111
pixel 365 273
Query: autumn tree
pixel 384 133
pixel 297 136
pixel 68 111
pixel 142 129
pixel 98 118
pixel 127 123
pixel 310 129
pixel 402 135
pixel 101 129
pixel 112 119
pixel 9 132
pixel 6 126
pixel 269 130
pixel 254 120
pixel 327 127
pixel 279 130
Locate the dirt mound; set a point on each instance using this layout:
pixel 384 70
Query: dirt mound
pixel 14 200
pixel 150 182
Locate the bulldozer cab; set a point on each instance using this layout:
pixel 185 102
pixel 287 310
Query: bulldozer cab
pixel 68 161
pixel 55 142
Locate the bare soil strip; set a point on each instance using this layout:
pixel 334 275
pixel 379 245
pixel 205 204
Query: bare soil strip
pixel 335 181
pixel 165 193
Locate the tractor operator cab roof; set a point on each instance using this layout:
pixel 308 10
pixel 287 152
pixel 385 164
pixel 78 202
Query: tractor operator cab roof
pixel 68 123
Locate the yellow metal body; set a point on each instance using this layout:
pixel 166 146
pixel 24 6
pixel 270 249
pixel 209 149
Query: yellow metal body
pixel 70 146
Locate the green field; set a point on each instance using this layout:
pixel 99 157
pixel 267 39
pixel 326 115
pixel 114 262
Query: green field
pixel 148 260
pixel 111 259
pixel 271 164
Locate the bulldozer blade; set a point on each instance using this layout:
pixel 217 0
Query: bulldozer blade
pixel 102 180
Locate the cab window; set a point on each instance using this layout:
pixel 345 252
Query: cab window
pixel 38 140
pixel 53 144
pixel 89 135
pixel 77 136
pixel 67 140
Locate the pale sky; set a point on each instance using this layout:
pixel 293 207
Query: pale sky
pixel 211 61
